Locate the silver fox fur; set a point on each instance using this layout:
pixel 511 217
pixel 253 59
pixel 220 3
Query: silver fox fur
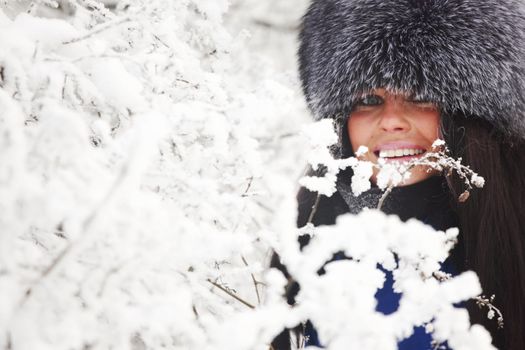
pixel 466 55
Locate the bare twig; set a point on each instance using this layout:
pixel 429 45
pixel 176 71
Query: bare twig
pixel 383 197
pixel 314 208
pixel 276 26
pixel 64 86
pixel 250 180
pixel 255 282
pixel 161 41
pixel 97 30
pixel 481 300
pixel 441 161
pixel 231 294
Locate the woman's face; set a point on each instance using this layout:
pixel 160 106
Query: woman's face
pixel 395 127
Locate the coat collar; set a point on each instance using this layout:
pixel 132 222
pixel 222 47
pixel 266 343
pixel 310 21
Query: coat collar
pixel 428 201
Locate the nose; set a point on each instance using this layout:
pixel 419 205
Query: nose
pixel 393 118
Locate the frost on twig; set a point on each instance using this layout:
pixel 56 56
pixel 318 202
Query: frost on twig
pixel 97 7
pixel 393 174
pixel 483 301
pixel 231 293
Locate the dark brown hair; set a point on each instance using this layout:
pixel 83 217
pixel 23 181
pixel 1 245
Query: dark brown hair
pixel 492 221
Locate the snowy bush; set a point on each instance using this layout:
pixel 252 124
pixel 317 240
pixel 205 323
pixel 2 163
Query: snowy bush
pixel 150 156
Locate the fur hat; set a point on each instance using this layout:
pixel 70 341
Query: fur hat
pixel 468 56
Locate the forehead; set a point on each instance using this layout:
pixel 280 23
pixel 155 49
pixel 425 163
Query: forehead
pixel 394 94
pixel 385 93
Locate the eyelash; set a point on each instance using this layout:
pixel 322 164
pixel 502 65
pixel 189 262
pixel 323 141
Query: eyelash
pixel 361 102
pixel 413 99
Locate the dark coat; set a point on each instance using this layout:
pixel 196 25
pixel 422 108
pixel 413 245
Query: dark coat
pixel 428 201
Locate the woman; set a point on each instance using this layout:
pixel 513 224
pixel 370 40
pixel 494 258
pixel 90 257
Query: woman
pixel 396 74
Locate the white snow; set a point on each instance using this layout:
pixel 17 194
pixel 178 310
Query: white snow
pixel 150 156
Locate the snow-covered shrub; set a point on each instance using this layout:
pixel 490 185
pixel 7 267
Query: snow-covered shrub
pixel 141 168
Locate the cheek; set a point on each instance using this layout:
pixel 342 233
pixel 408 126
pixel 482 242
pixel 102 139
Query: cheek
pixel 429 126
pixel 358 131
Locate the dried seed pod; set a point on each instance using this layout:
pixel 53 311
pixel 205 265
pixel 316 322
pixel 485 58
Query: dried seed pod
pixel 464 196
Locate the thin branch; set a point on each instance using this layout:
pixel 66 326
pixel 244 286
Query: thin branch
pixel 383 197
pixel 481 300
pixel 250 180
pixel 439 160
pixel 161 41
pixel 64 86
pixel 86 226
pixel 314 208
pixel 97 31
pixel 493 310
pixel 231 294
pixel 276 26
pixel 255 282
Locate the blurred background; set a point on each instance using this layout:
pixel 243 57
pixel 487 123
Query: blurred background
pixel 150 153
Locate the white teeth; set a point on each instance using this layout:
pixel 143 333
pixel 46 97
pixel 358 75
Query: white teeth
pixel 390 153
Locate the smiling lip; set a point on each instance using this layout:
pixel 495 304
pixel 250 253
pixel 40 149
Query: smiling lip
pixel 397 145
pixel 407 150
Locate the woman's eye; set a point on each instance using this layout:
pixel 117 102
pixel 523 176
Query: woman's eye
pixel 370 100
pixel 421 103
pixel 424 102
